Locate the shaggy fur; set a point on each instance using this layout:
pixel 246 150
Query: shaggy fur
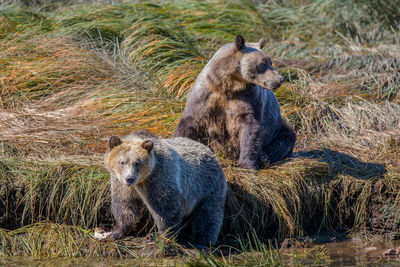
pixel 231 107
pixel 175 178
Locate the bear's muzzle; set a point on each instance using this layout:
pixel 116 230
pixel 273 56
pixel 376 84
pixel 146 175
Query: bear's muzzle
pixel 130 180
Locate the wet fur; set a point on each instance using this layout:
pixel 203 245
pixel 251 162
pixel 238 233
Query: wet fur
pixel 229 109
pixel 185 181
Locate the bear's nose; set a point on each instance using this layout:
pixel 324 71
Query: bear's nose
pixel 130 180
pixel 282 79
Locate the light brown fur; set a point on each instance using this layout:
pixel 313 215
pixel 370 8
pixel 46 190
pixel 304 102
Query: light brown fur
pixel 175 178
pixel 128 151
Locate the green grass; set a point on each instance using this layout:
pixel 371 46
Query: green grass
pixel 75 194
pixel 49 240
pixel 71 75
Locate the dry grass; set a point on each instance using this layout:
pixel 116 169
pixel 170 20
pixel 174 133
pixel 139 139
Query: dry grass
pixel 47 72
pixel 55 240
pixel 76 194
pixel 161 29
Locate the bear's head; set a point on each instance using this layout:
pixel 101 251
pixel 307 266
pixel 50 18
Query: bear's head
pixel 130 161
pixel 237 64
pixel 254 66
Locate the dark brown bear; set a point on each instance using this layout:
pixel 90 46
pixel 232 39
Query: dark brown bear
pixel 231 107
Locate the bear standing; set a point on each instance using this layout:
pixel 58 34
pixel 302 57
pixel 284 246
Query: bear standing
pixel 231 107
pixel 175 178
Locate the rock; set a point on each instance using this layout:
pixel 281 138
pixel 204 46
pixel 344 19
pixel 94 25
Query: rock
pixel 290 243
pixel 368 249
pixel 100 233
pixel 389 252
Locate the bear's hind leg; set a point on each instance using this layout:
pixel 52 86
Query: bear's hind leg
pixel 206 224
pixel 282 146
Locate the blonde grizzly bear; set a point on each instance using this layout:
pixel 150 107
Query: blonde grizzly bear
pixel 231 107
pixel 175 178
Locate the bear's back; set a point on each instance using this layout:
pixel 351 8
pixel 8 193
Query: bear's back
pixel 194 157
pixel 141 135
pixel 190 150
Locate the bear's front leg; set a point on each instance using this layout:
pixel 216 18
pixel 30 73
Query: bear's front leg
pixel 126 212
pixel 166 212
pixel 249 144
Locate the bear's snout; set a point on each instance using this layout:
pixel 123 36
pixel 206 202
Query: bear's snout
pixel 272 85
pixel 272 80
pixel 130 180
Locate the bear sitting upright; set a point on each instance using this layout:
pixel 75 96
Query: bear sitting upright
pixel 175 178
pixel 232 107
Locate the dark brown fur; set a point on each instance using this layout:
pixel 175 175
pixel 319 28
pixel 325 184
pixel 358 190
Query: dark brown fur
pixel 230 109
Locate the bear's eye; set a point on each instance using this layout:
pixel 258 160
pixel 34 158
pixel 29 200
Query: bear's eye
pixel 136 164
pixel 122 162
pixel 262 68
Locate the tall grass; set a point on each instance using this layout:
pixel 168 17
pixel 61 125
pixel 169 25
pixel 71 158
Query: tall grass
pixel 50 70
pixel 339 21
pixel 172 27
pixel 103 24
pixel 58 192
pixel 17 20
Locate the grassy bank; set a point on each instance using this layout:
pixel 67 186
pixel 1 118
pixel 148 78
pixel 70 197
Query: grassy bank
pixel 54 240
pixel 71 75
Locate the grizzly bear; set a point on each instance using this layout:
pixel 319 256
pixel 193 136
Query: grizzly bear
pixel 231 107
pixel 175 178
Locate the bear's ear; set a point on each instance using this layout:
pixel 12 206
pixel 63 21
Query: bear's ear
pixel 114 141
pixel 239 42
pixel 148 145
pixel 261 43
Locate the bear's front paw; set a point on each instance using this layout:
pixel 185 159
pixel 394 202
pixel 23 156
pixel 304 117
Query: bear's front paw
pixel 265 162
pixel 247 164
pixel 116 234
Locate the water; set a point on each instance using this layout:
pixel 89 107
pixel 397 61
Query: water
pixel 353 253
pixel 344 253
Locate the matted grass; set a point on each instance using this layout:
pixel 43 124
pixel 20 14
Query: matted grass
pixel 50 71
pixel 58 241
pixel 74 194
